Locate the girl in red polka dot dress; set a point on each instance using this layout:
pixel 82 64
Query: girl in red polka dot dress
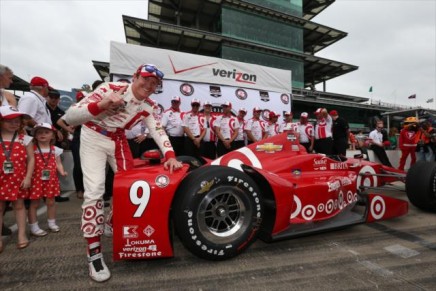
pixel 16 168
pixel 45 181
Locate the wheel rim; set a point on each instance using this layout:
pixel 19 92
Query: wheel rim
pixel 223 214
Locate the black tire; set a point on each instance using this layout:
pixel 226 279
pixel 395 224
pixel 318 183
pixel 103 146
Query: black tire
pixel 421 185
pixel 193 162
pixel 217 212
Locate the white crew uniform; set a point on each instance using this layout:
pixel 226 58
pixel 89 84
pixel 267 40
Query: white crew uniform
pixel 323 128
pixel 172 122
pixel 257 128
pixel 34 105
pixel 208 125
pixel 306 132
pixel 227 125
pixel 192 121
pixel 103 140
pixel 273 129
pixel 288 126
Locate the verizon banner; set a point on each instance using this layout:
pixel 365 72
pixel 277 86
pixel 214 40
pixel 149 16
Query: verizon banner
pixel 217 80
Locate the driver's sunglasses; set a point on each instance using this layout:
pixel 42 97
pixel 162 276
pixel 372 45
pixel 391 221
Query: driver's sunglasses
pixel 153 69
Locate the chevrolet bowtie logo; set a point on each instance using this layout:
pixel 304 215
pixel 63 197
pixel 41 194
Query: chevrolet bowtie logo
pixel 269 148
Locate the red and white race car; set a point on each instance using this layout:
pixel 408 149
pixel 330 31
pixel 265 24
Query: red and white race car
pixel 271 190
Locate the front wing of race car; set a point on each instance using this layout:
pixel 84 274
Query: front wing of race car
pixel 141 212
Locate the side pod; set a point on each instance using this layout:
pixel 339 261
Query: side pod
pixel 383 207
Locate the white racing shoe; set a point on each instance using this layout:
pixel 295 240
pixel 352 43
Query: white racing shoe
pixel 98 271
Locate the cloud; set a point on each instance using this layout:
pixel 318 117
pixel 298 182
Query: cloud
pixel 58 40
pixel 392 42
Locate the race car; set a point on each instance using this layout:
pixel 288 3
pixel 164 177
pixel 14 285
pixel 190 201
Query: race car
pixel 272 190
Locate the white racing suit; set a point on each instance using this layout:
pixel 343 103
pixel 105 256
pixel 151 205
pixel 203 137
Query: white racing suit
pixel 103 140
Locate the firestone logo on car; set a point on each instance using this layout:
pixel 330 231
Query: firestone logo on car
pixel 240 77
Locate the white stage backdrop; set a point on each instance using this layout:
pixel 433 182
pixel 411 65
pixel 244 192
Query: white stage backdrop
pixel 217 80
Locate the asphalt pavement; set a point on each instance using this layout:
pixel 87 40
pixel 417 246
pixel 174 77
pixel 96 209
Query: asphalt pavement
pixel 398 254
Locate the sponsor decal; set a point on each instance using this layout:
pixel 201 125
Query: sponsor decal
pixel 296 172
pixel 167 144
pixel 149 230
pixel 129 231
pixel 162 181
pixel 241 94
pixel 334 186
pixel 269 148
pixel 146 248
pixel 186 89
pixel 378 207
pixel 320 164
pixel 291 137
pixel 284 98
pixel 264 96
pixel 240 77
pixel 205 186
pixel 215 91
pixel 309 211
pixel 338 166
pixel 265 114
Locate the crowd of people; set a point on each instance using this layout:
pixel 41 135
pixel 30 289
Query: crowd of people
pixel 118 121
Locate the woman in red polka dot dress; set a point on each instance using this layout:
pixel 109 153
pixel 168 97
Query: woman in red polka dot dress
pixel 45 181
pixel 16 168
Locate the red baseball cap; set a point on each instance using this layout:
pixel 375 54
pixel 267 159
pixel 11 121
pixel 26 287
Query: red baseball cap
pixel 333 113
pixel 38 81
pixel 273 114
pixel 79 96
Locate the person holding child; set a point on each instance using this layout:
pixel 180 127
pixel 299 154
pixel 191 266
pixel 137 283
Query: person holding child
pixel 16 168
pixel 45 181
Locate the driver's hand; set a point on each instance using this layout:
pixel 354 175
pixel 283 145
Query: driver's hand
pixel 172 164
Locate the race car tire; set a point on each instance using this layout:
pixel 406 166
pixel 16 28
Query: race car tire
pixel 217 212
pixel 421 185
pixel 193 162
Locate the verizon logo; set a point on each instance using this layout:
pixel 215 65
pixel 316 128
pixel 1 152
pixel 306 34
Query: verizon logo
pixel 237 76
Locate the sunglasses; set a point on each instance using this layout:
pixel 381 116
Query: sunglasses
pixel 195 105
pixel 153 70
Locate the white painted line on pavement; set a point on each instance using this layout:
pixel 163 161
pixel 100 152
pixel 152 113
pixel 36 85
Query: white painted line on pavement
pixel 401 251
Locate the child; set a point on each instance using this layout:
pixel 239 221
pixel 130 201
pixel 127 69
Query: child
pixel 45 182
pixel 16 168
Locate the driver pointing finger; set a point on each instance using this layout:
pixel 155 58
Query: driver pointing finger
pixel 105 114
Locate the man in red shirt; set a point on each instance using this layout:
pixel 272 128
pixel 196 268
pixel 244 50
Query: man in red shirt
pixel 407 141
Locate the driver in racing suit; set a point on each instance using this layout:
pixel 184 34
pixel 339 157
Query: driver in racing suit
pixel 105 114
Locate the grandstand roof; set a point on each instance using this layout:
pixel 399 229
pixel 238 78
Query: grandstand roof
pixel 174 37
